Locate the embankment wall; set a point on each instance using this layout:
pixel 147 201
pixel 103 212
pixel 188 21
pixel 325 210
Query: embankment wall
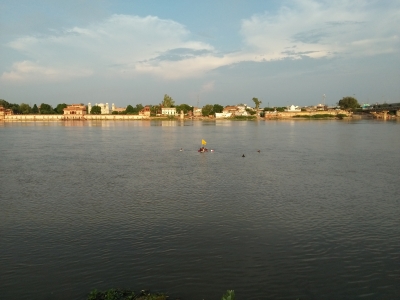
pixel 291 114
pixel 20 118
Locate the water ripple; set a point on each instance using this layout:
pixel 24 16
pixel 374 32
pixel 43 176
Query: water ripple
pixel 118 205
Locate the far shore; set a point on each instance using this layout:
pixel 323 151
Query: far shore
pixel 312 115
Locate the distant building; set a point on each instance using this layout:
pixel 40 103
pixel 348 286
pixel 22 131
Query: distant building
pixel 309 108
pixel 241 110
pixel 365 106
pixel 230 109
pixel 6 111
pixel 197 112
pixel 223 115
pixel 293 108
pixel 145 111
pixel 169 111
pixel 75 109
pixel 117 109
pixel 321 107
pixel 105 109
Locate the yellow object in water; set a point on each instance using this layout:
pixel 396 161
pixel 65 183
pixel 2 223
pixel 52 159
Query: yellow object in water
pixel 203 142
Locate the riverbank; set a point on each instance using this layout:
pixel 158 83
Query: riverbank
pixel 330 115
pixel 118 294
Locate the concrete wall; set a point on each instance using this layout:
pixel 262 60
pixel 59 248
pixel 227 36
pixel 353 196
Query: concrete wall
pixel 291 114
pixel 34 118
pixel 20 118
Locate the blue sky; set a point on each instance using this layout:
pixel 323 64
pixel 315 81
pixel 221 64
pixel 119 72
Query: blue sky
pixel 215 52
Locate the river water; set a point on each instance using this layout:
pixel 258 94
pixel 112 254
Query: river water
pixel 99 205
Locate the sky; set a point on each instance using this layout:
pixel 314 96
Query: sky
pixel 289 52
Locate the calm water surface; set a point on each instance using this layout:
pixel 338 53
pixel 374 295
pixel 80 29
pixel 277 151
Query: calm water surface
pixel 314 215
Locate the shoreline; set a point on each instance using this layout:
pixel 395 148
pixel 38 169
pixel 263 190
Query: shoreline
pixel 323 115
pixel 44 119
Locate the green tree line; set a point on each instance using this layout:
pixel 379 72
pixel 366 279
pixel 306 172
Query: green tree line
pixel 25 109
pixel 349 103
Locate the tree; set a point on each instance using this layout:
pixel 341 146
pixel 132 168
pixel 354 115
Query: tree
pixel 35 109
pixel 185 107
pixel 134 110
pixel 207 110
pixel 168 101
pixel 25 109
pixel 251 111
pixel 350 103
pixel 96 110
pixel 139 107
pixel 15 108
pixel 4 103
pixel 129 110
pixel 155 109
pixel 218 108
pixel 46 109
pixel 257 102
pixel 60 108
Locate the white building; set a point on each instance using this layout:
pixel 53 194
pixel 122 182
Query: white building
pixel 105 109
pixel 241 110
pixel 223 115
pixel 293 108
pixel 169 111
pixel 117 109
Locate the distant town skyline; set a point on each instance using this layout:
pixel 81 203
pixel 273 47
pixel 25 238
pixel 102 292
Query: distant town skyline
pixel 300 52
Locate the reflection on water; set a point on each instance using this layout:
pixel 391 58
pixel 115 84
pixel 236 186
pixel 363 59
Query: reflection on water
pixel 101 204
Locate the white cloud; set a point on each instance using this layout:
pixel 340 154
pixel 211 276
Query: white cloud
pixel 122 45
pixel 322 29
pixel 128 46
pixel 27 70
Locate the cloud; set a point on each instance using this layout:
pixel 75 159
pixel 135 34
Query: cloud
pixel 128 46
pixel 120 45
pixel 323 29
pixel 181 54
pixel 208 87
pixel 28 70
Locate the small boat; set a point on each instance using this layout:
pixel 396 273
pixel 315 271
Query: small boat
pixel 202 148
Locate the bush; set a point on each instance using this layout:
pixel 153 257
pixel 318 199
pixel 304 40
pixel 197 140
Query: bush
pixel 229 295
pixel 116 294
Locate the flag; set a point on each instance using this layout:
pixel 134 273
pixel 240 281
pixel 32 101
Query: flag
pixel 203 142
